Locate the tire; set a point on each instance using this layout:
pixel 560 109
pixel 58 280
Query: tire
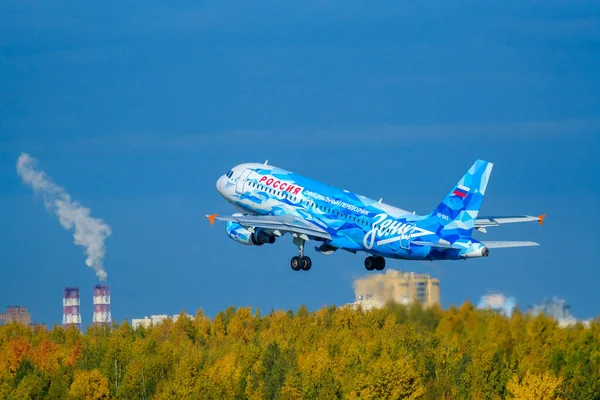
pixel 306 263
pixel 379 263
pixel 296 263
pixel 370 263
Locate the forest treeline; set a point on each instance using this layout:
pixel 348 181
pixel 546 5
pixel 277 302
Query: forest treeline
pixel 397 352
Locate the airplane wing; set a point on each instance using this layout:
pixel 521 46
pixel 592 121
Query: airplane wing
pixel 437 244
pixel 282 223
pixel 499 245
pixel 482 223
pixel 489 245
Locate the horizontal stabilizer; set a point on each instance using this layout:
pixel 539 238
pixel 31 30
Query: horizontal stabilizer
pixel 211 218
pixel 498 245
pixel 482 222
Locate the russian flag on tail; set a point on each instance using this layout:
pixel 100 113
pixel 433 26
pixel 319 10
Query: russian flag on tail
pixel 461 191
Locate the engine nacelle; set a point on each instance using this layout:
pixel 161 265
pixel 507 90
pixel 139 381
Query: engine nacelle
pixel 244 236
pixel 476 250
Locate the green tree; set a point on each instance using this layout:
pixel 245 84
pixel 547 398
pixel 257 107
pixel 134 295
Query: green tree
pixel 31 387
pixel 275 366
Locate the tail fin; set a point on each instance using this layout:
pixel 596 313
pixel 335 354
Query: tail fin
pixel 456 214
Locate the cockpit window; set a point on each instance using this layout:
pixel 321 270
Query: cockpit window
pixel 229 174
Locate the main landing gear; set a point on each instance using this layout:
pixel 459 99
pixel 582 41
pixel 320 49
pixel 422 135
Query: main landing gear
pixel 374 262
pixel 300 262
pixel 304 263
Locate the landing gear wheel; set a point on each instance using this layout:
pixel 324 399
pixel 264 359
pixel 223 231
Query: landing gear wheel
pixel 305 263
pixel 296 263
pixel 300 262
pixel 370 263
pixel 374 262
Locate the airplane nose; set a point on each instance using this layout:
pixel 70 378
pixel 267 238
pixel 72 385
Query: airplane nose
pixel 221 183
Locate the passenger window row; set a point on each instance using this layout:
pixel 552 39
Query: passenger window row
pixel 362 221
pixel 272 191
pixel 306 203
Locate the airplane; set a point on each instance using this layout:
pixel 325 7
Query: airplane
pixel 273 202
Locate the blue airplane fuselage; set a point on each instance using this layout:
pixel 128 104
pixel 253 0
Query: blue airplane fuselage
pixel 357 223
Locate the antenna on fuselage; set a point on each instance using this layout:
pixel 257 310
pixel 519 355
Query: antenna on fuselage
pixel 266 162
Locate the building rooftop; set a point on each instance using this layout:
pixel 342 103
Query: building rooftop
pixel 376 289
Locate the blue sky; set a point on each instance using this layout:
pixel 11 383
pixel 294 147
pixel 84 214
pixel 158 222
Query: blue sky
pixel 137 107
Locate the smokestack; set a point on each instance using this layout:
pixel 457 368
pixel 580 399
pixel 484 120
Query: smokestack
pixel 71 314
pixel 102 305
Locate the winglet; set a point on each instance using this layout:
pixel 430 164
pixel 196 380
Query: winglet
pixel 541 219
pixel 211 218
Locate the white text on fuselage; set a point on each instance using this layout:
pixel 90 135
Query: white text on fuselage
pixel 279 185
pixel 389 231
pixel 335 202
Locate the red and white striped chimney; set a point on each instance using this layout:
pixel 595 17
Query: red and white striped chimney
pixel 102 305
pixel 71 312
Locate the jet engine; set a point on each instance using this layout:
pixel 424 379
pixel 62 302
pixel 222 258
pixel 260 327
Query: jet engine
pixel 245 236
pixel 476 250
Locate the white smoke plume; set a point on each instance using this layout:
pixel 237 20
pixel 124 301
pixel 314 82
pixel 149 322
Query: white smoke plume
pixel 89 232
pixel 498 301
pixel 557 309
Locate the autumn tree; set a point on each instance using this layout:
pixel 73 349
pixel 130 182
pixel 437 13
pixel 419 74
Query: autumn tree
pixel 89 385
pixel 543 386
pixel 396 351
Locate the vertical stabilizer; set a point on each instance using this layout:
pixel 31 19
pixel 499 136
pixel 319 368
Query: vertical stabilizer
pixel 456 214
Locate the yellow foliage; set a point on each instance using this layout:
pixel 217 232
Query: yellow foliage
pixel 186 373
pixel 255 386
pixel 543 386
pixel 313 364
pixel 393 352
pixel 224 376
pixel 30 388
pixel 280 329
pixel 241 326
pixel 89 385
pixel 387 379
pixel 46 355
pixel 70 354
pixel 16 352
pixel 290 389
pixel 346 318
pixel 202 325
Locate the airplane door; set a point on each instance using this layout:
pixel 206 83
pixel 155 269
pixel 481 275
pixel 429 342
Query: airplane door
pixel 239 187
pixel 405 237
